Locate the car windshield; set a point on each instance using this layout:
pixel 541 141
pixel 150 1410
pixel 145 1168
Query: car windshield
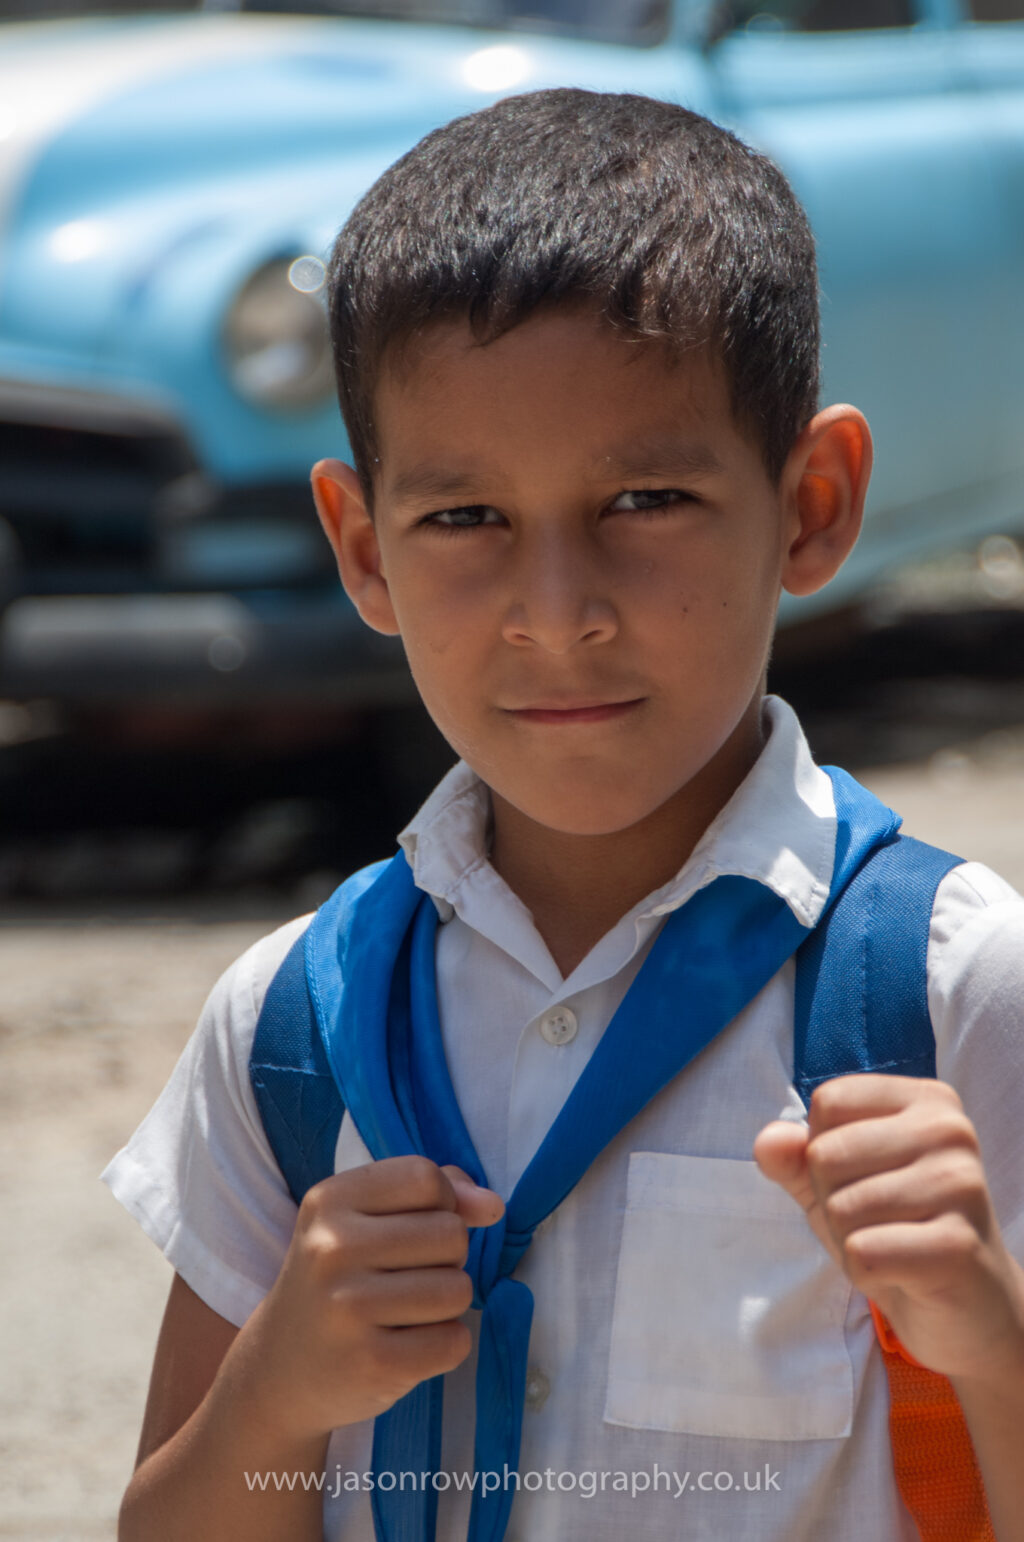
pixel 615 21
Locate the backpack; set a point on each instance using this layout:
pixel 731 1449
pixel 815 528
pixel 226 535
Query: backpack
pixel 863 967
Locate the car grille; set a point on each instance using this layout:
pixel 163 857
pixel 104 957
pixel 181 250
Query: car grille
pixel 101 496
pixel 81 477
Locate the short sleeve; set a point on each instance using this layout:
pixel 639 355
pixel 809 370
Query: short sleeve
pixel 976 999
pixel 198 1174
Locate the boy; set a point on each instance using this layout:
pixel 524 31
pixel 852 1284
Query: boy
pixel 576 340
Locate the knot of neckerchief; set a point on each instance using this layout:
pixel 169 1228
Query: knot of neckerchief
pixel 494 1252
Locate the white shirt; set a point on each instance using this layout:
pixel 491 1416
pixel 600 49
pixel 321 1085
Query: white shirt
pixel 689 1331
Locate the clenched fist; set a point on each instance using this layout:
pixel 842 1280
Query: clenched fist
pixel 889 1174
pixel 369 1298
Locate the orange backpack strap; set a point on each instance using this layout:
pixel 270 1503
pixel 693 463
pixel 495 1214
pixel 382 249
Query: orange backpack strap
pixel 936 1470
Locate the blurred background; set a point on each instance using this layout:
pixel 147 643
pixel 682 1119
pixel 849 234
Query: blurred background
pixel 197 740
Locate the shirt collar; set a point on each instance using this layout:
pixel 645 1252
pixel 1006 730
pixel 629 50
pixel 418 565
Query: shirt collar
pixel 779 827
pixel 447 841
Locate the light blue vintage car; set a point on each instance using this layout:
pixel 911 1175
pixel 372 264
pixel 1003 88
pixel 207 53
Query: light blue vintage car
pixel 169 184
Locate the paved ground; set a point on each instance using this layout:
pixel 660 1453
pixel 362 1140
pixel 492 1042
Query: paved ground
pixel 92 1018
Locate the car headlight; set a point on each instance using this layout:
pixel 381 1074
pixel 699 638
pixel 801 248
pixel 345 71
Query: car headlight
pixel 276 338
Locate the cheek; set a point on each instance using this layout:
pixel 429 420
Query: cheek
pixel 447 645
pixel 708 619
pixel 436 616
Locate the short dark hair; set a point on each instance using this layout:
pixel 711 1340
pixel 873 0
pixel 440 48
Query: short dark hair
pixel 668 224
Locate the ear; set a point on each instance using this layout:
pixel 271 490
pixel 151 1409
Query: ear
pixel 347 524
pixel 824 484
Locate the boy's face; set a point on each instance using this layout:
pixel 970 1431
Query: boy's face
pixel 583 554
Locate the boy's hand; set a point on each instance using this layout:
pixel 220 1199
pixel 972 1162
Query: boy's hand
pixel 889 1175
pixel 369 1296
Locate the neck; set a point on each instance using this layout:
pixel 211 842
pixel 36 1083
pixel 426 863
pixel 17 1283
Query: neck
pixel 577 887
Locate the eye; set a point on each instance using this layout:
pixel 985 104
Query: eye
pixel 643 500
pixel 469 516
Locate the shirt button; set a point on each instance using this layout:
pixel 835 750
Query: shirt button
pixel 537 1388
pixel 559 1026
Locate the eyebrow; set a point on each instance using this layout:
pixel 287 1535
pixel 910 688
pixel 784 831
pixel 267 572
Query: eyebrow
pixel 431 481
pixel 661 455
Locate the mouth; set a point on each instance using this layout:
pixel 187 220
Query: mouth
pixel 574 712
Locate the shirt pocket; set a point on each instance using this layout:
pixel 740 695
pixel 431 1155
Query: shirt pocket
pixel 729 1315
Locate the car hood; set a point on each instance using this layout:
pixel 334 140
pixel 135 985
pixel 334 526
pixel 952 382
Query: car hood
pixel 124 143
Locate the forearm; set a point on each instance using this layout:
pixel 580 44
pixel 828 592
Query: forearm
pixel 995 1418
pixel 194 1488
pixel 994 1411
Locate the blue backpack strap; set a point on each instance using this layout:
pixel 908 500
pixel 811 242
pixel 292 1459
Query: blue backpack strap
pixel 862 1005
pixel 296 1094
pixel 861 982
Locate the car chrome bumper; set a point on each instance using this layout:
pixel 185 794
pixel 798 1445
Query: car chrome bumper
pixel 197 650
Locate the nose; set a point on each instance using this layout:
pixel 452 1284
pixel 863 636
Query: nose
pixel 560 598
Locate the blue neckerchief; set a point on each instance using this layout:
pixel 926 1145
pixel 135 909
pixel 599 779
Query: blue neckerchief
pixel 383 1040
